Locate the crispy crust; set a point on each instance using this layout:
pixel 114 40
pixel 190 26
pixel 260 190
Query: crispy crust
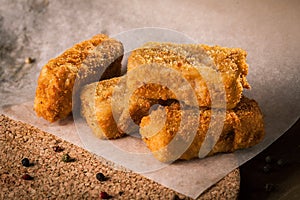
pixel 96 102
pixel 243 128
pixel 229 63
pixel 96 108
pixel 243 124
pixel 79 65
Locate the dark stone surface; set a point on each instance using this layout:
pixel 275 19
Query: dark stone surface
pixel 282 179
pixel 18 20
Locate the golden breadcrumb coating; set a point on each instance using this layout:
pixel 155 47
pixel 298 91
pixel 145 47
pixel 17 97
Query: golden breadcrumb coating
pixel 229 63
pixel 96 108
pixel 243 128
pixel 243 124
pixel 83 63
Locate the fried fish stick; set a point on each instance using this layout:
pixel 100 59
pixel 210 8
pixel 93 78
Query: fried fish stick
pixel 229 63
pixel 96 108
pixel 96 102
pixel 243 128
pixel 83 63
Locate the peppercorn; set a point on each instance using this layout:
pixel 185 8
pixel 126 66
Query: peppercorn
pixel 25 162
pixel 280 162
pixel 29 60
pixel 104 195
pixel 269 187
pixel 58 149
pixel 100 177
pixel 268 159
pixel 27 177
pixel 176 197
pixel 267 168
pixel 67 158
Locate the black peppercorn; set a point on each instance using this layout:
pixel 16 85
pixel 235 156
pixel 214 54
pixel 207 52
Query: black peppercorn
pixel 267 168
pixel 100 177
pixel 25 162
pixel 280 162
pixel 269 187
pixel 176 197
pixel 268 159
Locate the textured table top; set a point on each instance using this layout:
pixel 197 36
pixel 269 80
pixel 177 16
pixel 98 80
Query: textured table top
pixel 55 179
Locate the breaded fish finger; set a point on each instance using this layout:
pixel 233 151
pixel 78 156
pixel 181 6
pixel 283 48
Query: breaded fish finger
pixel 243 128
pixel 229 63
pixel 84 62
pixel 96 108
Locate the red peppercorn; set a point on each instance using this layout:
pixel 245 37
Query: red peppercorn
pixel 104 195
pixel 27 177
pixel 58 149
pixel 25 162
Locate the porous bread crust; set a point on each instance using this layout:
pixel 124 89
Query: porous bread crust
pixel 53 99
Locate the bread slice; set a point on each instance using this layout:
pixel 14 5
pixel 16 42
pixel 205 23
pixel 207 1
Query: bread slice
pixel 91 60
pixel 217 66
pixel 243 127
